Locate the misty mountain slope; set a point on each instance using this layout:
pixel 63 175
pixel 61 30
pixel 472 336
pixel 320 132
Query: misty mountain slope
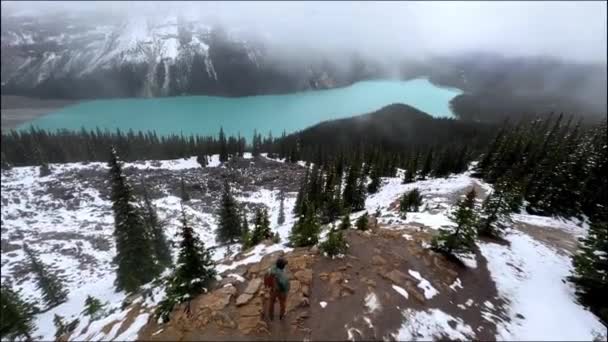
pixel 74 235
pixel 90 57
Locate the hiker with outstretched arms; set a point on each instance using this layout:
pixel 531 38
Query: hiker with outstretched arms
pixel 277 282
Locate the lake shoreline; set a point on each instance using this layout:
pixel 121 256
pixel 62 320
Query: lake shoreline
pixel 18 110
pixel 205 115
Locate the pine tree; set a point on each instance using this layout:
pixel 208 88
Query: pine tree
pixel 305 232
pixel 245 233
pixel 281 218
pixel 414 200
pixel 194 271
pixel 229 228
pixel 351 187
pixel 428 165
pixel 496 212
pixel 223 146
pixel 162 250
pixel 302 193
pixel 335 243
pixel 45 170
pixel 459 239
pixel 261 230
pixel 202 160
pixel 183 193
pixel 17 316
pixel 590 273
pixel 374 185
pixel 53 292
pixel 345 224
pixel 93 308
pixel 360 194
pixel 135 255
pixel 4 164
pixel 410 173
pixel 362 222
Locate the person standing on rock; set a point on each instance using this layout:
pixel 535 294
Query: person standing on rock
pixel 277 282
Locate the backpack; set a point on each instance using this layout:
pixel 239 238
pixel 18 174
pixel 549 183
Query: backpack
pixel 269 279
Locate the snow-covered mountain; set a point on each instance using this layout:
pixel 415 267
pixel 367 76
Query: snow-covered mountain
pixel 89 56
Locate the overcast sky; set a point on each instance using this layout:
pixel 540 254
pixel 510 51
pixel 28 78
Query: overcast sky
pixel 570 30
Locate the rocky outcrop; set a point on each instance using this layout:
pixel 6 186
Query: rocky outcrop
pixel 237 307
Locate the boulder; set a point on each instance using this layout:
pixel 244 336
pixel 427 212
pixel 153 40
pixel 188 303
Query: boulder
pixel 267 261
pixel 378 260
pixel 396 276
pixel 215 300
pixel 223 320
pixel 305 291
pixel 304 276
pixel 249 324
pixel 252 309
pixel 243 299
pixel 253 286
pixel 347 290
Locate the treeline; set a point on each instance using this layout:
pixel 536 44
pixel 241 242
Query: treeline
pixel 558 165
pixel 37 146
pixel 393 135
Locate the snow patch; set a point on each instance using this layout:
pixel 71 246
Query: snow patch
pixel 401 291
pixel 431 324
pixel 323 304
pixel 530 275
pixel 372 303
pixel 425 285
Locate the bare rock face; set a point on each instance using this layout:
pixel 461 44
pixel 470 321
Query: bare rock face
pixel 396 276
pixel 304 276
pixel 264 264
pixel 378 260
pixel 215 300
pixel 250 291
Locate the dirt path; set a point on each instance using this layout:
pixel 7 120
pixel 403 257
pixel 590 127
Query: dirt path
pixel 377 262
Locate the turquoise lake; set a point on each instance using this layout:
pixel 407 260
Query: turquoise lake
pixel 290 112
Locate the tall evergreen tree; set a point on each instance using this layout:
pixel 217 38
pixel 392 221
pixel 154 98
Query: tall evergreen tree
pixel 428 165
pixel 45 170
pixel 202 160
pixel 351 187
pixel 302 194
pixel 194 273
pixel 362 222
pixel 159 240
pixel 223 146
pixel 281 218
pixel 459 239
pixel 53 292
pixel 229 228
pixel 335 243
pixel 496 212
pixel 305 232
pixel 183 192
pixel 590 273
pixel 374 185
pixel 345 224
pixel 410 173
pixel 245 233
pixel 17 316
pixel 4 164
pixel 261 229
pixel 135 255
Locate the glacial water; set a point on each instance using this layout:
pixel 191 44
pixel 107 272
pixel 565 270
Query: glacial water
pixel 290 112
